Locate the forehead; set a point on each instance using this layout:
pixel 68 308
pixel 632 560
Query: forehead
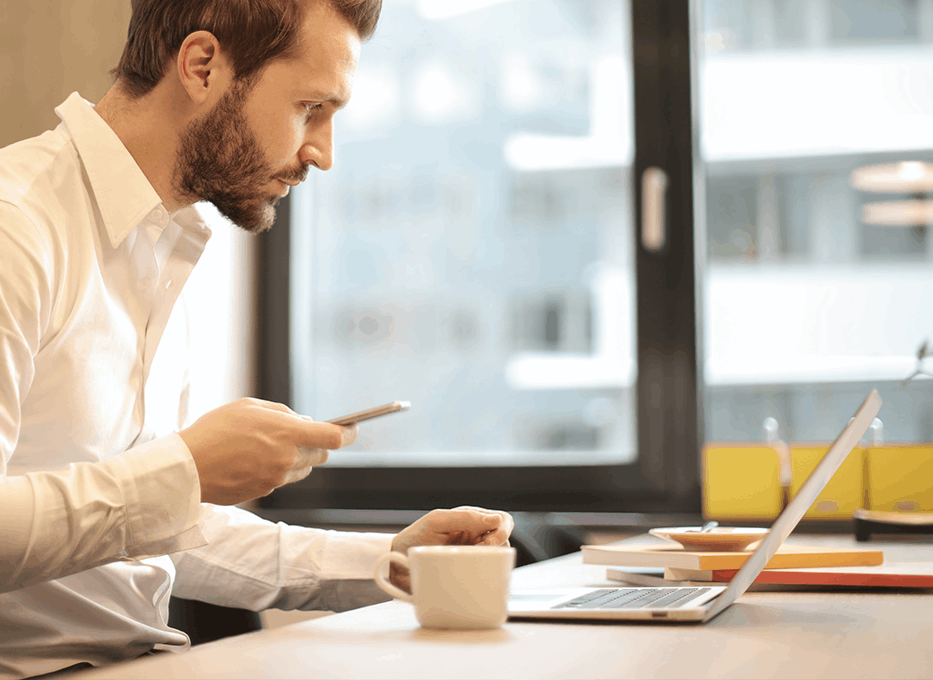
pixel 327 53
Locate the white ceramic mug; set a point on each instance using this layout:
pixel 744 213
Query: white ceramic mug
pixel 454 586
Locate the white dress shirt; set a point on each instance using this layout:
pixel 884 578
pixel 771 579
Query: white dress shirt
pixel 100 513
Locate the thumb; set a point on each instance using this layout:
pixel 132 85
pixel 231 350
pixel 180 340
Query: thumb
pixel 316 435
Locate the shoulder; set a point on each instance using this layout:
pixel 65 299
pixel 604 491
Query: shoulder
pixel 27 249
pixel 24 163
pixel 34 173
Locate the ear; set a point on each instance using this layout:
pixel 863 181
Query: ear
pixel 202 67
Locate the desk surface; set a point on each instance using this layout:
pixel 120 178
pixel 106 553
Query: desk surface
pixel 840 634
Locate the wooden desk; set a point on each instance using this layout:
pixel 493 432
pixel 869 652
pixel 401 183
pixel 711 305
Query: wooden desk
pixel 842 634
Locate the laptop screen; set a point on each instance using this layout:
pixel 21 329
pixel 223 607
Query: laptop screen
pixel 797 508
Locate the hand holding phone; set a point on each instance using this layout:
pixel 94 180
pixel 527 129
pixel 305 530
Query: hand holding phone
pixel 308 458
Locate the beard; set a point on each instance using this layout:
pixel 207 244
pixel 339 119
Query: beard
pixel 221 161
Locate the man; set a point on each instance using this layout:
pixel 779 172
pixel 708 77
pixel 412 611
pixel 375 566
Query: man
pixel 109 500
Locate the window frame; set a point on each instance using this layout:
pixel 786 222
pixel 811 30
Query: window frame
pixel 665 477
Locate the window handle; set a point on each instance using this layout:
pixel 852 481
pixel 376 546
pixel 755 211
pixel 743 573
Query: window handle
pixel 653 194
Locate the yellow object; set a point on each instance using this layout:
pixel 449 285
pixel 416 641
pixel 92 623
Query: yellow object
pixel 900 478
pixel 844 492
pixel 740 481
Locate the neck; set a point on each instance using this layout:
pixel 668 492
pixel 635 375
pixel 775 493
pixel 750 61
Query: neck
pixel 150 135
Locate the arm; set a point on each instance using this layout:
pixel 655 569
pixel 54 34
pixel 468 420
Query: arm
pixel 255 564
pixel 129 507
pixel 57 523
pixel 138 503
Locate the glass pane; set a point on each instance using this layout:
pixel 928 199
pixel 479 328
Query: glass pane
pixel 471 249
pixel 819 271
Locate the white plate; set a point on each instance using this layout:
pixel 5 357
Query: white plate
pixel 718 539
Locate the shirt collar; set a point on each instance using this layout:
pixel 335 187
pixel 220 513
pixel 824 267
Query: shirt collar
pixel 124 195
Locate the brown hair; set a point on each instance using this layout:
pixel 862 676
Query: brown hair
pixel 253 32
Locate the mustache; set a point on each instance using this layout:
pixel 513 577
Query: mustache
pixel 292 176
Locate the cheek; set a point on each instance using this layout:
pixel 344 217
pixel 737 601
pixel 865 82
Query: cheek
pixel 285 144
pixel 294 136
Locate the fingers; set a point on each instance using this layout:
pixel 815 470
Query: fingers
pixel 472 526
pixel 319 435
pixel 400 577
pixel 464 518
pixel 296 475
pixel 305 460
pixel 466 525
pixel 309 433
pixel 308 457
pixel 270 405
pixel 247 448
pixel 500 534
pixel 350 433
pixel 499 531
pixel 495 537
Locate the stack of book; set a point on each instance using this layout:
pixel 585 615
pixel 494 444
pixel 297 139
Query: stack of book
pixel 790 566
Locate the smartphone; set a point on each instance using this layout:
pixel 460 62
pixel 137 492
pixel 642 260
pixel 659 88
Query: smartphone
pixel 371 413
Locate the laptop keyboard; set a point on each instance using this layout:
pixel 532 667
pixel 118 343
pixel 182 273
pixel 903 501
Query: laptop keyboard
pixel 632 598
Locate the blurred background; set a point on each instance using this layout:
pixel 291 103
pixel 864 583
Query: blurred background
pixel 473 248
pixel 477 248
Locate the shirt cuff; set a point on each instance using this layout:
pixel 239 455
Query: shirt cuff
pixel 352 555
pixel 162 493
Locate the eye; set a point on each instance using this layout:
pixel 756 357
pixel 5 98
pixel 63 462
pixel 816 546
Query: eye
pixel 311 108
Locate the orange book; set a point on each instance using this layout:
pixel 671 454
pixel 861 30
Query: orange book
pixel 678 558
pixel 903 575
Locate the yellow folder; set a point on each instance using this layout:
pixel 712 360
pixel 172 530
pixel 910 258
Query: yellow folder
pixel 900 478
pixel 844 492
pixel 741 481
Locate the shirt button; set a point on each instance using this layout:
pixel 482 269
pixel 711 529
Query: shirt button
pixel 157 215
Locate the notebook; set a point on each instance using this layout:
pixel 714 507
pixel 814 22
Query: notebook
pixel 698 603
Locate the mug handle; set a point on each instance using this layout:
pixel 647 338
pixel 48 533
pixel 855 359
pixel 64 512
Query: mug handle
pixel 397 593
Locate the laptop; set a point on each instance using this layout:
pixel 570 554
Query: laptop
pixel 701 603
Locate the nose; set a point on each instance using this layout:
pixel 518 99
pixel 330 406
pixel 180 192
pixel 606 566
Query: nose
pixel 318 148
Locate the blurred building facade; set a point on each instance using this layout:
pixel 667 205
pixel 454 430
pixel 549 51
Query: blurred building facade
pixel 472 250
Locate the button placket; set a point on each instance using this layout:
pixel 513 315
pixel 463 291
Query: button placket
pixel 175 272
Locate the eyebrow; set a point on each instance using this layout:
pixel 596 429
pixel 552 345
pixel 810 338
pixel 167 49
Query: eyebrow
pixel 330 97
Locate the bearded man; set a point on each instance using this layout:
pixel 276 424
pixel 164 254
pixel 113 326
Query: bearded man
pixel 111 499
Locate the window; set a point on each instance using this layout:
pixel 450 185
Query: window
pixel 474 251
pixel 478 247
pixel 809 299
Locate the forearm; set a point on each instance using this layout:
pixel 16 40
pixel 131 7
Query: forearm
pixel 255 564
pixel 135 505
